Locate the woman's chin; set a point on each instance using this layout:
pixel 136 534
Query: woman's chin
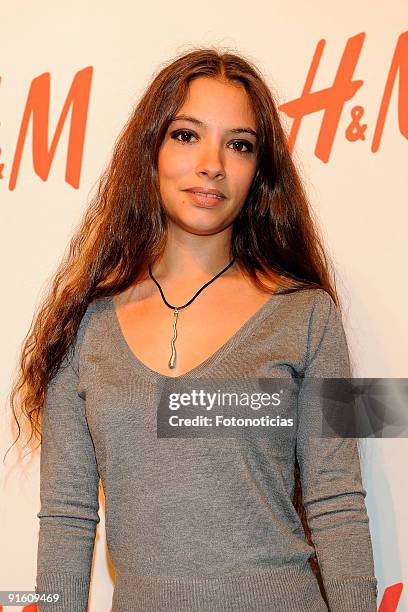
pixel 199 224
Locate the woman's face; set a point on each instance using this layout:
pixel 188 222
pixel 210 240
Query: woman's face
pixel 214 148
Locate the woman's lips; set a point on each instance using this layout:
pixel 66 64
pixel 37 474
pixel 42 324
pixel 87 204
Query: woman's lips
pixel 209 201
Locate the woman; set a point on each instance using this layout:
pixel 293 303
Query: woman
pixel 198 258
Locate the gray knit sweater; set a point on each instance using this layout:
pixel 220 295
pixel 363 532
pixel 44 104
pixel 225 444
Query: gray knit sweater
pixel 201 524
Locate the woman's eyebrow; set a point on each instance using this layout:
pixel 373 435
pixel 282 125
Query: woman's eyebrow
pixel 240 130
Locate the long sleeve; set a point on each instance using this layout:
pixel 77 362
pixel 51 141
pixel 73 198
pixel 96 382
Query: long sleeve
pixel 333 494
pixel 69 482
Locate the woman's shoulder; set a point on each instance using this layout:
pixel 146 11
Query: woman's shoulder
pixel 311 312
pixel 93 311
pixel 91 328
pixel 315 301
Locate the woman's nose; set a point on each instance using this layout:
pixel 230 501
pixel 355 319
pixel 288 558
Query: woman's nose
pixel 210 161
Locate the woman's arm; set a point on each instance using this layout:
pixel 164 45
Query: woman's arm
pixel 69 482
pixel 333 494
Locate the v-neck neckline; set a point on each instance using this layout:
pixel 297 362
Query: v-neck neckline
pixel 233 341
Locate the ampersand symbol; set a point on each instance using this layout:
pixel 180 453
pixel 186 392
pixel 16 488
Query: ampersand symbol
pixel 355 131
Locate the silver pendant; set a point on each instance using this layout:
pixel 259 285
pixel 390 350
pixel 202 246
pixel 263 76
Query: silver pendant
pixel 172 361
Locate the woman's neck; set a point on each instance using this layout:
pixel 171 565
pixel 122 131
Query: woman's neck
pixel 193 257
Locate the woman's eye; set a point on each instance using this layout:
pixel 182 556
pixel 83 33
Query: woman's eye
pixel 248 145
pixel 176 135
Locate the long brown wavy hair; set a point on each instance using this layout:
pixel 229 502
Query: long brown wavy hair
pixel 124 227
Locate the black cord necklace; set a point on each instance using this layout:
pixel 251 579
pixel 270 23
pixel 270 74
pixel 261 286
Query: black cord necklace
pixel 176 309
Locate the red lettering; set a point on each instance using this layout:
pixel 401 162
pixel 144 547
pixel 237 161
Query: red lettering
pixel 390 598
pixel 37 106
pixel 399 62
pixel 1 176
pixel 331 100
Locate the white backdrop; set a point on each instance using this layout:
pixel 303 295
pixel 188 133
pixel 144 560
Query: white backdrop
pixel 358 191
